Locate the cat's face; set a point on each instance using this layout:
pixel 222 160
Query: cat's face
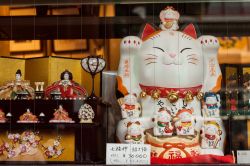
pixel 170 59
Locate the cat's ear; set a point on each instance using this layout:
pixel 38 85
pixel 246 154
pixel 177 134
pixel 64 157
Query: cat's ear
pixel 147 30
pixel 190 30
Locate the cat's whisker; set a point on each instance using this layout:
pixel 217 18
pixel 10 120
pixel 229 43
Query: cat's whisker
pixel 149 59
pixel 191 55
pixel 150 63
pixel 195 59
pixel 193 63
pixel 152 55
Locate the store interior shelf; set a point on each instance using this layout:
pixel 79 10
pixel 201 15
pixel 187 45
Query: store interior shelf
pixel 76 27
pixel 76 2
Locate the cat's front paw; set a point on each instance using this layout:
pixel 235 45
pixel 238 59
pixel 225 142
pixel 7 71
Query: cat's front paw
pixel 209 43
pixel 130 44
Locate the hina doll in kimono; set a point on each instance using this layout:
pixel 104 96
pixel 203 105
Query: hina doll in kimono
pixel 17 87
pixel 68 88
pixel 61 116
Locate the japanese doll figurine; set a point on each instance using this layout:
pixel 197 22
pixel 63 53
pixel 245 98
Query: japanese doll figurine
pixel 211 107
pixel 185 123
pixel 130 107
pixel 68 88
pixel 17 89
pixel 169 19
pixel 28 117
pixel 135 133
pixel 61 116
pixel 212 135
pixel 2 116
pixel 163 123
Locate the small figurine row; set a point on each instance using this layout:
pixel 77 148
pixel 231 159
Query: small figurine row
pixel 65 88
pixel 85 114
pixel 211 133
pixel 130 108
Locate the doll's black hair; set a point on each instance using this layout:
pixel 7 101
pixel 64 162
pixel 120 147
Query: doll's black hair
pixel 19 72
pixel 69 73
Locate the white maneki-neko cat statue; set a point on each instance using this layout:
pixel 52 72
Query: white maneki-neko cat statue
pixel 169 71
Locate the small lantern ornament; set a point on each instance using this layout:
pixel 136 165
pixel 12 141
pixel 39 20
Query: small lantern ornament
pixel 86 114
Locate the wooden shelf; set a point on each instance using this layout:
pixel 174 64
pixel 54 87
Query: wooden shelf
pixel 76 27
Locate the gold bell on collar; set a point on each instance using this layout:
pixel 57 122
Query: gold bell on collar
pixel 173 97
pixel 128 137
pixel 188 97
pixel 200 96
pixel 143 94
pixel 155 94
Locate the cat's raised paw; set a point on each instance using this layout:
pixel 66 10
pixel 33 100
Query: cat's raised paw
pixel 209 42
pixel 130 43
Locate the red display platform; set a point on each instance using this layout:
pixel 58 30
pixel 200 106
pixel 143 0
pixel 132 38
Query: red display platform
pixel 202 159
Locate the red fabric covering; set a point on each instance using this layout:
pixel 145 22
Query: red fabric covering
pixel 202 159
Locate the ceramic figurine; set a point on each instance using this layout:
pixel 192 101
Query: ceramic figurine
pixel 2 116
pixel 163 123
pixel 211 134
pixel 17 89
pixel 211 106
pixel 61 116
pixel 185 123
pixel 135 133
pixel 67 87
pixel 86 114
pixel 28 117
pixel 172 69
pixel 169 19
pixel 130 107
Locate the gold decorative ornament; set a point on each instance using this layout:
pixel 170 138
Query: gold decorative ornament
pixel 200 95
pixel 173 97
pixel 143 94
pixel 188 97
pixel 128 137
pixel 156 94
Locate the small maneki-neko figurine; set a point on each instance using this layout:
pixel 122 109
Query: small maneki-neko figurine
pixel 68 88
pixel 61 116
pixel 17 89
pixel 163 123
pixel 2 116
pixel 185 123
pixel 130 108
pixel 28 117
pixel 211 135
pixel 211 107
pixel 135 133
pixel 169 19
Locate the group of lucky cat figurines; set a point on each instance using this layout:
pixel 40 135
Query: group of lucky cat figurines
pixel 182 124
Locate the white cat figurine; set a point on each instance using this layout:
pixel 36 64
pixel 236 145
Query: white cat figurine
pixel 211 134
pixel 163 123
pixel 211 107
pixel 135 133
pixel 130 108
pixel 164 64
pixel 185 123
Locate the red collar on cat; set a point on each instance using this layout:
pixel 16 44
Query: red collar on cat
pixel 165 91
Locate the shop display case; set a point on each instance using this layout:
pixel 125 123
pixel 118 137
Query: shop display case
pixel 73 80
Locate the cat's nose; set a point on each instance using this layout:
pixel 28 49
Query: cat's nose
pixel 172 55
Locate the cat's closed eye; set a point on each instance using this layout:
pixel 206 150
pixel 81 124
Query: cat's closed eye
pixel 184 49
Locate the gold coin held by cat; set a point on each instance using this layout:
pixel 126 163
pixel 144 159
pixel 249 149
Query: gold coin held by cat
pixel 173 97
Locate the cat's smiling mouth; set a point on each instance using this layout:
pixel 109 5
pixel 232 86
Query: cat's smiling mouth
pixel 171 64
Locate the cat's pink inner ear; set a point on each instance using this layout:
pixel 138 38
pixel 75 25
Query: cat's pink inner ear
pixel 190 30
pixel 147 30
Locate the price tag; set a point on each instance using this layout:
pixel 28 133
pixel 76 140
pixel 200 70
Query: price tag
pixel 127 154
pixel 243 156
